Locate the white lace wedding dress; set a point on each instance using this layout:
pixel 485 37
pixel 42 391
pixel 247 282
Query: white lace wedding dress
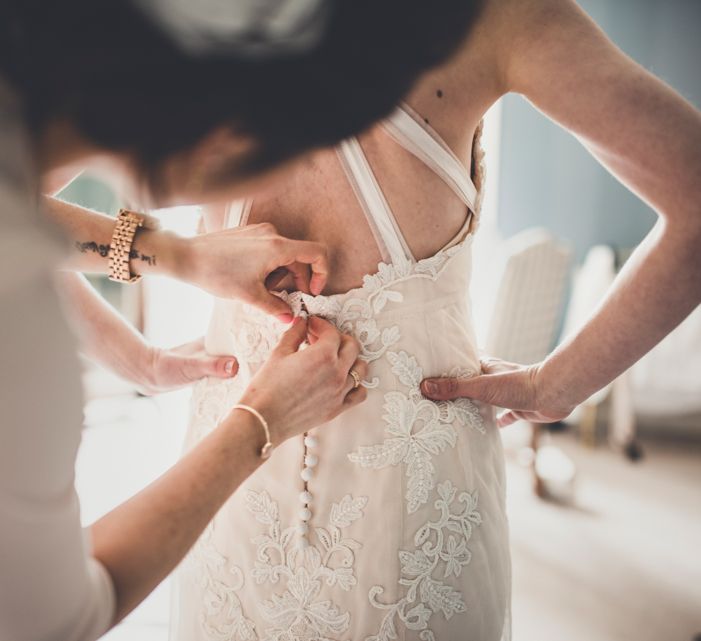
pixel 389 522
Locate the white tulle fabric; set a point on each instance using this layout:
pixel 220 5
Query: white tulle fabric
pixel 408 536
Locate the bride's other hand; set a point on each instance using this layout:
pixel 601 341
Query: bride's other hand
pixel 520 389
pixel 237 262
pixel 169 369
pixel 298 389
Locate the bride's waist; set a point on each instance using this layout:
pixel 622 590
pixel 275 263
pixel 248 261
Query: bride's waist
pixel 250 334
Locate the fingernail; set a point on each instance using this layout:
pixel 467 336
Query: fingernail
pixel 229 367
pixel 285 318
pixel 430 387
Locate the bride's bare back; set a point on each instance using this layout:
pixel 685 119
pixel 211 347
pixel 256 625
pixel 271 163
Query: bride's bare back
pixel 548 50
pixel 316 201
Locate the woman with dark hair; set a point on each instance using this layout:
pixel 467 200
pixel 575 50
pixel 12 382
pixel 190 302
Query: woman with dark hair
pixel 182 100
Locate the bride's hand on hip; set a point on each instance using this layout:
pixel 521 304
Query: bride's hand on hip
pixel 237 262
pixel 520 389
pixel 296 390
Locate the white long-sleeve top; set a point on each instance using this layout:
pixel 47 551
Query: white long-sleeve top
pixel 51 589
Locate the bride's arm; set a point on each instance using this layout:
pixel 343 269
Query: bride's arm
pixel 647 136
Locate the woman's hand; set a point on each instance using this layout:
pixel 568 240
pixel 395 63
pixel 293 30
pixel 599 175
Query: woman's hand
pixel 247 263
pixel 126 353
pixel 298 389
pixel 519 388
pixel 238 262
pixel 169 369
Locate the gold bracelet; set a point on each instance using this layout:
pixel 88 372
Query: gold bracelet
pixel 266 450
pixel 128 222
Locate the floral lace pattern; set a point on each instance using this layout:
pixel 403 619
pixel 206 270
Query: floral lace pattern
pixel 417 429
pixel 257 337
pixel 298 614
pixel 440 552
pixel 212 399
pixel 352 312
pixel 221 617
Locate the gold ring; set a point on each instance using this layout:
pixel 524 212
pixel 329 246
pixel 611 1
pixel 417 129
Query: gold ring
pixel 356 378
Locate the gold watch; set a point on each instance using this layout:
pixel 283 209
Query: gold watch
pixel 128 222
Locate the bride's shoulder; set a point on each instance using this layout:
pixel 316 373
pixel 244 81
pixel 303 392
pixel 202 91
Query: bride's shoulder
pixel 509 42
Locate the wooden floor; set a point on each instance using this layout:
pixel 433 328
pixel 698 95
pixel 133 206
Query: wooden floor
pixel 623 563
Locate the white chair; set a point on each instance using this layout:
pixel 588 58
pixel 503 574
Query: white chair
pixel 524 324
pixel 530 297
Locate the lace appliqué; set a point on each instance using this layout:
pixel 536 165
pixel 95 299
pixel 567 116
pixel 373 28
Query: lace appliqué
pixel 212 399
pixel 352 312
pixel 441 552
pixel 257 334
pixel 221 617
pixel 417 429
pixel 297 614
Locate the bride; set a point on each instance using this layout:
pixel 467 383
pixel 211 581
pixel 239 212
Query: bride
pixel 392 519
pixel 390 522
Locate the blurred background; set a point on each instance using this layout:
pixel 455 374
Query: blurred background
pixel 605 510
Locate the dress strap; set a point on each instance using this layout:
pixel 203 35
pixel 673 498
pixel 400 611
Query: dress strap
pixel 404 127
pixel 388 236
pixel 237 213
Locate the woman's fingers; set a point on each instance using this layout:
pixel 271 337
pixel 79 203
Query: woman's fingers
pixel 300 274
pixel 273 305
pixel 348 350
pixel 361 369
pixel 297 390
pixel 481 388
pixel 507 418
pixel 503 384
pixel 319 329
pixel 315 256
pixel 184 365
pixel 355 397
pixel 279 280
pixel 198 367
pixel 293 338
pixel 513 387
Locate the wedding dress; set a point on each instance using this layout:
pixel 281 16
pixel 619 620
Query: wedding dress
pixel 389 522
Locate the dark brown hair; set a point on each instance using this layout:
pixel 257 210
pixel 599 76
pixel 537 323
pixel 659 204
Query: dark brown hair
pixel 127 87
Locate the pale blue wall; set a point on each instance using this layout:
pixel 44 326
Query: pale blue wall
pixel 548 179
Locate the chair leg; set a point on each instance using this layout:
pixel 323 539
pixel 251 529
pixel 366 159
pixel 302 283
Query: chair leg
pixel 587 424
pixel 553 471
pixel 623 430
pixel 538 485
